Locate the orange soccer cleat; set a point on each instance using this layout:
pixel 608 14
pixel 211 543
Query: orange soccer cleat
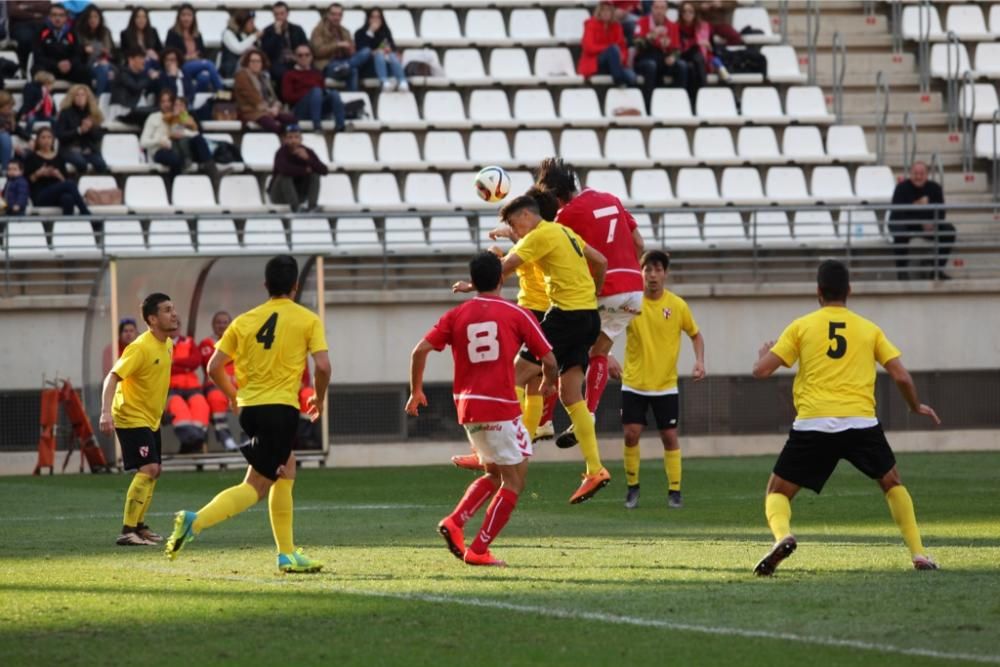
pixel 453 536
pixel 590 485
pixel 472 558
pixel 468 462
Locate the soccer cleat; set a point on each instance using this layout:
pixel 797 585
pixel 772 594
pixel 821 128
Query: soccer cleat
pixel 674 500
pixel 781 550
pixel 132 539
pixel 544 431
pixel 590 485
pixel 147 534
pixel 453 536
pixel 567 439
pixel 632 497
pixel 472 558
pixel 468 462
pixel 924 563
pixel 182 534
pixel 298 563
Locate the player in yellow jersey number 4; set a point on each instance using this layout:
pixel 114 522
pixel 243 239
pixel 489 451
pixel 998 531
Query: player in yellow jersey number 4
pixel 834 394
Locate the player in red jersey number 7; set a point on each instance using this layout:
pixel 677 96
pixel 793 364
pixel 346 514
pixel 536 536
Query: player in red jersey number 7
pixel 485 333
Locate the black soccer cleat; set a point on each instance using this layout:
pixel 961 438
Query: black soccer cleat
pixel 782 549
pixel 632 497
pixel 567 439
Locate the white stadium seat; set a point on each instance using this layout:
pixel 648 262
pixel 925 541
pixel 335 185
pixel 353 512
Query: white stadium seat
pixel 786 185
pixel 831 185
pixel 980 101
pixel 353 149
pixel 651 187
pixel 485 25
pixel 444 149
pixel 258 149
pixel 724 227
pixel 336 192
pixel 847 143
pixel 608 180
pixel 461 191
pixel 397 108
pixel 623 146
pixel 212 23
pixel 714 144
pixel 450 234
pixel 669 145
pixel 874 184
pixel 530 25
pixel 967 22
pixel 265 235
pixel 717 105
pixel 532 146
pixel 240 192
pixel 995 18
pixel 804 143
pixel 27 238
pixel 308 19
pixel 985 140
pixel 861 225
pixel 73 237
pixel 580 147
pixel 489 107
pixel 465 66
pixel 376 190
pixel 123 154
pixel 116 20
pixel 511 65
pixel 758 145
pixel 680 229
pixel 756 18
pixel 768 227
pixel 193 193
pixel 170 236
pixel 439 25
pixel 425 189
pixel 644 224
pixel 741 185
pixel 814 227
pixel 696 185
pixel 146 193
pixel 782 64
pixel 761 104
pixel 316 142
pixel 488 147
pixel 988 60
pixel 930 22
pixel 555 65
pixel 444 106
pixel 623 98
pixel 399 150
pixel 405 235
pixel 100 182
pixel 806 104
pixel 163 20
pixel 534 107
pixel 357 236
pixel 580 105
pixel 568 25
pixel 959 63
pixel 217 236
pixel 402 24
pixel 671 106
pixel 123 236
pixel 311 235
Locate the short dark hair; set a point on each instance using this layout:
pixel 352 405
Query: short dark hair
pixel 516 205
pixel 151 305
pixel 125 321
pixel 485 270
pixel 135 53
pixel 548 205
pixel 558 177
pixel 655 257
pixel 833 280
pixel 281 274
pixel 278 4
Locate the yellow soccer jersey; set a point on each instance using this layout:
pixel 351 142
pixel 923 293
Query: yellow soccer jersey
pixel 836 351
pixel 531 282
pixel 558 251
pixel 144 369
pixel 269 345
pixel 653 343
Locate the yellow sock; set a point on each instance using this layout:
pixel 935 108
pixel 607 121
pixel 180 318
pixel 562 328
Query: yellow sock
pixel 534 404
pixel 778 509
pixel 586 435
pixel 135 498
pixel 672 464
pixel 279 505
pixel 632 464
pixel 229 502
pixel 901 507
pixel 520 396
pixel 149 499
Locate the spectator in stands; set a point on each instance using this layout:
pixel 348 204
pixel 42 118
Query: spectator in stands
pixel 128 331
pixel 187 407
pixel 928 224
pixel 302 88
pixel 603 49
pixel 296 173
pixel 697 46
pixel 16 190
pixel 26 21
pixel 95 40
pixel 279 42
pixel 140 35
pixel 186 38
pixel 79 130
pixel 173 77
pixel 57 49
pixel 171 137
pixel 8 126
pixel 335 51
pixel 719 15
pixel 240 36
pixel 38 104
pixel 46 171
pixel 627 13
pixel 658 41
pixel 375 36
pixel 254 95
pixel 133 83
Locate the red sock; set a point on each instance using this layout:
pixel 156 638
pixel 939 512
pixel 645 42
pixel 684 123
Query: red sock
pixel 550 407
pixel 597 379
pixel 477 494
pixel 497 515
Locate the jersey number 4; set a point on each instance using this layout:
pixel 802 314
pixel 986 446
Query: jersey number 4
pixel 839 346
pixel 483 343
pixel 265 335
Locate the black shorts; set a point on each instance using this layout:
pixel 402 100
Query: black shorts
pixel 665 409
pixel 810 457
pixel 539 315
pixel 273 431
pixel 571 333
pixel 140 446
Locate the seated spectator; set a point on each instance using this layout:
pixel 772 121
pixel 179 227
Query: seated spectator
pixel 296 173
pixel 46 171
pixel 38 104
pixel 128 331
pixel 603 49
pixel 697 46
pixel 279 41
pixel 95 40
pixel 79 130
pixel 218 403
pixel 173 78
pixel 8 126
pixel 376 37
pixel 133 83
pixel 254 95
pixel 240 36
pixel 16 190
pixel 171 137
pixel 719 15
pixel 187 409
pixel 140 35
pixel 334 49
pixel 657 41
pixel 57 49
pixel 186 38
pixel 627 12
pixel 928 224
pixel 302 88
pixel 26 20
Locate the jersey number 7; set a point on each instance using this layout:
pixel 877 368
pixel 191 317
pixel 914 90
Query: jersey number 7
pixel 608 212
pixel 265 335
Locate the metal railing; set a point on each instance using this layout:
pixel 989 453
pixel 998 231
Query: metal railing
pixel 910 136
pixel 924 45
pixel 812 37
pixel 881 113
pixel 995 165
pixel 966 108
pixel 839 56
pixel 936 168
pixel 783 17
pixel 954 61
pixel 896 16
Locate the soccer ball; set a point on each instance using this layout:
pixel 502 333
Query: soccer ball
pixel 492 184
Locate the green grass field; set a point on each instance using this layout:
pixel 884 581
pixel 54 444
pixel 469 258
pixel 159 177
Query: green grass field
pixel 591 584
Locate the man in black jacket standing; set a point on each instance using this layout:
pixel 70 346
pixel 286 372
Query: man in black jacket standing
pixel 929 224
pixel 279 41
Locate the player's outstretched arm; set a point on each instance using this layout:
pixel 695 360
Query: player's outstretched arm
pixel 767 362
pixel 903 380
pixel 418 361
pixel 698 343
pixel 217 371
pixel 322 372
pixel 107 424
pixel 598 266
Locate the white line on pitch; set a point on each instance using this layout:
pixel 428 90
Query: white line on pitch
pixel 617 619
pixel 307 508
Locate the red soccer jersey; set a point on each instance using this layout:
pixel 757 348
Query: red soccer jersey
pixel 485 333
pixel 601 220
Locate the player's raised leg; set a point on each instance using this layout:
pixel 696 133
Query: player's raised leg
pixel 778 510
pixel 597 476
pixel 901 508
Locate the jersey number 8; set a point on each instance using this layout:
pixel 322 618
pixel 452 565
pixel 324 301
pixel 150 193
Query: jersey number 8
pixel 483 343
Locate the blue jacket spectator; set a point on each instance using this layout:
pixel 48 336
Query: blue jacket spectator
pixel 16 190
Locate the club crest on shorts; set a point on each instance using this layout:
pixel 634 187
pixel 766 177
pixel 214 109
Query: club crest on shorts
pixel 144 451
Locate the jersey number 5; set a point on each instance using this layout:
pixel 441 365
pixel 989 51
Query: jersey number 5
pixel 483 343
pixel 839 347
pixel 265 335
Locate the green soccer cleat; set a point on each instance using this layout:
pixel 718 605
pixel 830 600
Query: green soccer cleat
pixel 183 533
pixel 298 563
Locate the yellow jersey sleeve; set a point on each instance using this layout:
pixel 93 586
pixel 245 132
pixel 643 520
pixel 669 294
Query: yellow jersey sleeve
pixel 131 360
pixel 317 337
pixel 688 325
pixel 885 351
pixel 787 347
pixel 228 343
pixel 531 247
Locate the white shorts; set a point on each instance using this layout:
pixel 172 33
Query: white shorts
pixel 617 310
pixel 503 443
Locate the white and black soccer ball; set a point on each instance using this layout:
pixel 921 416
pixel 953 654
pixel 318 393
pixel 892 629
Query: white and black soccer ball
pixel 492 184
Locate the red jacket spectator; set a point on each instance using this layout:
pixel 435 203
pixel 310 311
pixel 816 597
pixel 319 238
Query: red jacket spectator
pixel 598 36
pixel 186 362
pixel 670 42
pixel 296 83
